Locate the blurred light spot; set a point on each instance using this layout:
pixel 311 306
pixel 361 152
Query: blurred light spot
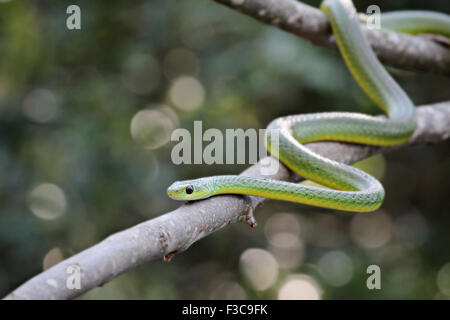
pixel 259 267
pixel 300 287
pixel 281 222
pixel 288 249
pixel 168 111
pixel 52 257
pixel 180 62
pixel 412 227
pixel 443 279
pixel 151 128
pixel 284 240
pixel 371 230
pixel 141 73
pixel 47 201
pixel 336 268
pixel 229 290
pixel 187 93
pixel 40 105
pixel 283 233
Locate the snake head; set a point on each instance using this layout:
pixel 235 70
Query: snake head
pixel 190 190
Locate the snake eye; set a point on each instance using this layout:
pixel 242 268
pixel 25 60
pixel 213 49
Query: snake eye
pixel 189 189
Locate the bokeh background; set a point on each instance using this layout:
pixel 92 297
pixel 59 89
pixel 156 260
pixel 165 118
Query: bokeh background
pixel 85 124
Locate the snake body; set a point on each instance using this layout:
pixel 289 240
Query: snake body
pixel 350 189
pixel 415 22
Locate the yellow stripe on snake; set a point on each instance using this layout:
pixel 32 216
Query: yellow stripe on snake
pixel 351 189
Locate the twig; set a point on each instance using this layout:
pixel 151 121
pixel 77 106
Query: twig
pixel 392 48
pixel 176 231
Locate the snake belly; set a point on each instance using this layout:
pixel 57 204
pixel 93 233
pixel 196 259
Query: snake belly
pixel 350 189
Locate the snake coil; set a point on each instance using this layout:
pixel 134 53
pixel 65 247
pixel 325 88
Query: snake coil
pixel 350 189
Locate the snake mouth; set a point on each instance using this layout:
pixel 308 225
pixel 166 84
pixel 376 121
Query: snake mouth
pixel 176 195
pixel 170 193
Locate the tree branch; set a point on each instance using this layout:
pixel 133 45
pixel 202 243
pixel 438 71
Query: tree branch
pixel 176 231
pixel 392 48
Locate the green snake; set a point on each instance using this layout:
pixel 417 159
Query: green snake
pixel 348 188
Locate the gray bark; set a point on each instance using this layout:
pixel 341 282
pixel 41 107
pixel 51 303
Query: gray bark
pixel 392 48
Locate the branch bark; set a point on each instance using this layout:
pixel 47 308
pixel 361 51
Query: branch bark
pixel 176 231
pixel 392 48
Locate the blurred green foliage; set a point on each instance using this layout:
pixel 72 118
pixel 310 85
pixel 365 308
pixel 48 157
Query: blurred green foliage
pixel 67 153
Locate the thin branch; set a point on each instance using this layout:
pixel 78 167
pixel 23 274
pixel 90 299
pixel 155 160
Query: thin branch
pixel 176 231
pixel 392 48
